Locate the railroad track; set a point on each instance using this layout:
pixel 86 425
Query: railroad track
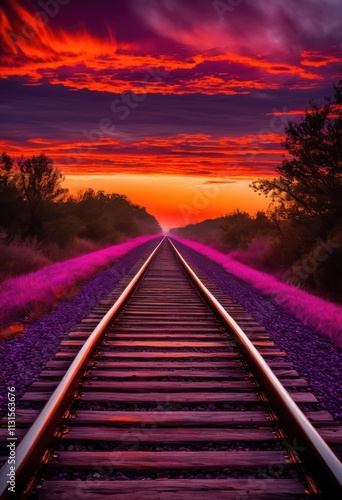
pixel 165 397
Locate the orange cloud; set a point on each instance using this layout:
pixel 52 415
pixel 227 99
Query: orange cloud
pixel 316 59
pixel 336 108
pixel 34 50
pixel 291 112
pixel 269 66
pixel 182 154
pixel 32 36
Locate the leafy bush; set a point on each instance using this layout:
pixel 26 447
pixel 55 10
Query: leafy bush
pixel 21 257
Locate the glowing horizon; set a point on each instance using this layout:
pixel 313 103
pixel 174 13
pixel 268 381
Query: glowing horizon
pixel 174 200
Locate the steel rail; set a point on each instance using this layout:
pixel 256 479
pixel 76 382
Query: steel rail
pixel 323 463
pixel 33 445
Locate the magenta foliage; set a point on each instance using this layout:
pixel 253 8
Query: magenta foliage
pixel 256 254
pixel 325 317
pixel 40 289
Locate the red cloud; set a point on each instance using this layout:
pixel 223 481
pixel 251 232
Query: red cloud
pixel 245 156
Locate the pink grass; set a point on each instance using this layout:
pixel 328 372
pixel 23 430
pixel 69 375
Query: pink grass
pixel 325 317
pixel 39 290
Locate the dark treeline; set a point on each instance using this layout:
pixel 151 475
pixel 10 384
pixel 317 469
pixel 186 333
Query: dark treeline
pixel 299 237
pixel 41 222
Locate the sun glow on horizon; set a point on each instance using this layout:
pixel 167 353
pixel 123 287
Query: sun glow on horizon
pixel 175 200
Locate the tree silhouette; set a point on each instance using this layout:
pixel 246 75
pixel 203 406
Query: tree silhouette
pixel 12 213
pixel 37 182
pixel 310 182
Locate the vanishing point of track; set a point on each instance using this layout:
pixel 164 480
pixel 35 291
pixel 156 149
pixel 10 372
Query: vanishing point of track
pixel 165 397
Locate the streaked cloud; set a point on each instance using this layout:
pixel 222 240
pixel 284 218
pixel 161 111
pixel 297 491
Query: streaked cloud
pixel 202 54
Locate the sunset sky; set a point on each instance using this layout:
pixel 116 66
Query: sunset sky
pixel 178 104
